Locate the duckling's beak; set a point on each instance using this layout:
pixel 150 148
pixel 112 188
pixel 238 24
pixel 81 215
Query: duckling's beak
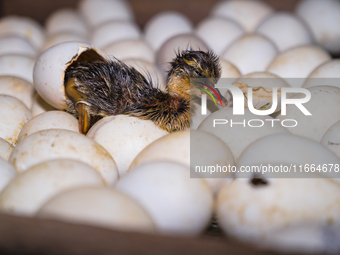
pixel 215 95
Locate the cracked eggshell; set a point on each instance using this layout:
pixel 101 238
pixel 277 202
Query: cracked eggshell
pixel 298 62
pixel 168 50
pixel 49 120
pixel 189 148
pixel 13 116
pixel 148 70
pixel 101 11
pixel 98 206
pixel 287 150
pixel 124 137
pixel 247 13
pixel 49 70
pixel 64 37
pixel 331 139
pixel 5 149
pixel 325 74
pixel 39 105
pixel 325 26
pixel 16 45
pixel 18 88
pixel 252 212
pixel 178 204
pixel 131 49
pixel 165 25
pixel 238 137
pixel 26 193
pixel 324 106
pixel 25 27
pixel 66 20
pixel 59 143
pixel 251 53
pixel 114 31
pixel 7 172
pixel 285 30
pixel 209 30
pixel 17 65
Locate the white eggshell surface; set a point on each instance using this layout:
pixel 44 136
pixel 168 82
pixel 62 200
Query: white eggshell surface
pixel 49 120
pixel 18 88
pixel 5 149
pixel 17 65
pixel 13 116
pixel 59 143
pixel 239 136
pixel 247 13
pixel 25 194
pixel 98 206
pixel 39 106
pixel 250 212
pixel 324 106
pixel 124 137
pixel 16 45
pixel 178 204
pixel 331 139
pixel 251 53
pixel 325 74
pixel 7 173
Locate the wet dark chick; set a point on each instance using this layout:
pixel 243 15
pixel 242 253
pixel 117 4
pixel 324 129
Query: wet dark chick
pixel 102 87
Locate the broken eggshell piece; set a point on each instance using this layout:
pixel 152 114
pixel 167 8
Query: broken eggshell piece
pixel 49 70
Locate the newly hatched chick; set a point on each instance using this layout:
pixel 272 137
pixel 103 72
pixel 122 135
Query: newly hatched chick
pixel 95 89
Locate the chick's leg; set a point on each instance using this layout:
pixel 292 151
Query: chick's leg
pixel 81 107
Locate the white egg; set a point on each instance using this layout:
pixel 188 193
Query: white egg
pixel 229 70
pixel 16 45
pixel 197 117
pixel 285 30
pixel 174 45
pixel 263 79
pixel 101 11
pixel 165 25
pixel 190 148
pixel 24 27
pixel 7 173
pixel 98 206
pixel 238 132
pixel 251 212
pixel 325 74
pixel 124 137
pixel 131 48
pixel 178 204
pixel 17 65
pixel 307 238
pixel 26 193
pixel 324 106
pixel 114 31
pixel 66 20
pixel 219 33
pixel 248 13
pixel 331 139
pixel 298 153
pixel 13 116
pixel 49 120
pixel 49 70
pixel 298 62
pixel 63 37
pixel 251 53
pixel 148 70
pixel 39 106
pixel 5 149
pixel 18 88
pixel 59 143
pixel 323 18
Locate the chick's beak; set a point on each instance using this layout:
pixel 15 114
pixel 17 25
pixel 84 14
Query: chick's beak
pixel 216 96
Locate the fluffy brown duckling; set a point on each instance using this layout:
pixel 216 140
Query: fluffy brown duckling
pixel 109 87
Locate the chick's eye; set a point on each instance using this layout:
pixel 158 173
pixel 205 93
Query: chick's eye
pixel 199 73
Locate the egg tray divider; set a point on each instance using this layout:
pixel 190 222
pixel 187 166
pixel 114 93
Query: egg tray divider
pixel 21 235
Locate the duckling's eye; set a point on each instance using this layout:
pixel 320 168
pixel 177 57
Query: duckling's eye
pixel 199 73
